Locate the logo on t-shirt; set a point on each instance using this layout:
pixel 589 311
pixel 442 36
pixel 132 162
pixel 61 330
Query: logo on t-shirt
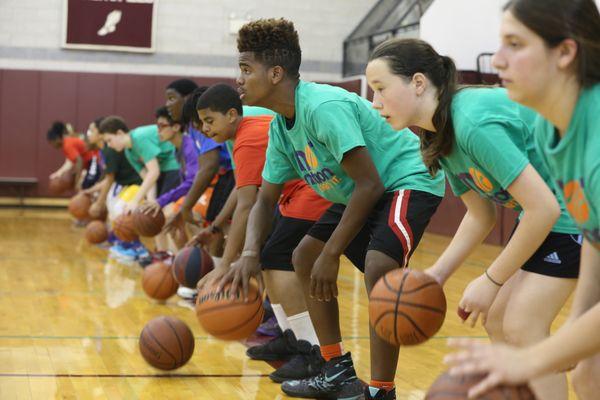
pixel 575 201
pixel 480 183
pixel 323 178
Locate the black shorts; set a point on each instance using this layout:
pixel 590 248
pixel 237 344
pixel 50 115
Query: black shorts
pixel 284 238
pixel 394 227
pixel 221 191
pixel 558 256
pixel 168 180
pixel 92 174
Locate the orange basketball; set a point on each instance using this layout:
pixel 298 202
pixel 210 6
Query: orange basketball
pixel 166 343
pixel 79 206
pixel 62 183
pixel 447 387
pixel 158 281
pixel 406 307
pixel 148 224
pixel 98 213
pixel 96 232
pixel 124 228
pixel 229 317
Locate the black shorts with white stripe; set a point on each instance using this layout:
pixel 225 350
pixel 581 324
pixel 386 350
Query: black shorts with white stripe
pixel 394 227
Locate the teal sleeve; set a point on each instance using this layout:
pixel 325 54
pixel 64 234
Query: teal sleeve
pixel 147 150
pixel 457 186
pixel 278 168
pixel 229 145
pixel 337 126
pixel 489 143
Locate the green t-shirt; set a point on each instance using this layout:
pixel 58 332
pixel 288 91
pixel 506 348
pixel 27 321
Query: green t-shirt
pixel 146 145
pixel 493 144
pixel 331 121
pixel 574 161
pixel 117 164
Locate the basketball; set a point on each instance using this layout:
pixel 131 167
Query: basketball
pixel 158 281
pixel 229 317
pixel 124 229
pixel 166 343
pixel 98 213
pixel 406 307
pixel 148 224
pixel 62 183
pixel 190 265
pixel 447 387
pixel 96 232
pixel 79 206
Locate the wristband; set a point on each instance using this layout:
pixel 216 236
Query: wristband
pixel 249 253
pixel 492 280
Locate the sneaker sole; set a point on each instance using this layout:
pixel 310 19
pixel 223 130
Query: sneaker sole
pixel 269 357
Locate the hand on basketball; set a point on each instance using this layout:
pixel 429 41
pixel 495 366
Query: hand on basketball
pixel 323 278
pixel 477 299
pixel 150 208
pixel 54 175
pixel 240 273
pixel 212 277
pixel 130 207
pixel 501 363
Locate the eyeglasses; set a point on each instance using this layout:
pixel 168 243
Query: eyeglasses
pixel 162 125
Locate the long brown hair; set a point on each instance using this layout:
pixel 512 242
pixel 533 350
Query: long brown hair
pixel 406 57
pixel 557 20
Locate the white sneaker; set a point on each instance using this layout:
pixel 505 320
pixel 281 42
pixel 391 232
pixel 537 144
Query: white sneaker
pixel 186 293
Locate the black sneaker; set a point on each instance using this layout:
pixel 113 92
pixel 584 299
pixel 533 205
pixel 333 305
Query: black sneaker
pixel 307 363
pixel 337 380
pixel 381 394
pixel 281 348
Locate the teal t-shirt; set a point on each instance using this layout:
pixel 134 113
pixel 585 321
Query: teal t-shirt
pixel 574 161
pixel 493 144
pixel 146 145
pixel 331 121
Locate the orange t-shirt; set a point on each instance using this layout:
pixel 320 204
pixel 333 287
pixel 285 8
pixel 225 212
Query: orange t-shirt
pixel 74 147
pixel 298 200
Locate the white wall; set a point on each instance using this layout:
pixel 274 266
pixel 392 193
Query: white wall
pixel 192 36
pixel 463 29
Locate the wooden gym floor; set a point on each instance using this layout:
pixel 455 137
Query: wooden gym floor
pixel 70 321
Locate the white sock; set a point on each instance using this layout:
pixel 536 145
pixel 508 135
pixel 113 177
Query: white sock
pixel 280 317
pixel 303 328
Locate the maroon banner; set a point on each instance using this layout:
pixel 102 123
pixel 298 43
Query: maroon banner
pixel 122 25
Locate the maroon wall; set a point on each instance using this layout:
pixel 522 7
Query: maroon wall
pixel 31 100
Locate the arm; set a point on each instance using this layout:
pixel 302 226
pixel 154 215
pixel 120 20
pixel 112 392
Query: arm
pixel 506 364
pixel 357 163
pixel 150 177
pixel 257 229
pixel 206 234
pixel 477 223
pixel 208 167
pixel 540 212
pixel 246 196
pixel 106 184
pixel 67 165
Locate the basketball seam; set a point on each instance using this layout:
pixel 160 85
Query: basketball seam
pixel 419 288
pixel 396 313
pixel 159 285
pixel 409 304
pixel 241 324
pixel 162 347
pixel 404 277
pixel 204 311
pixel 145 344
pixel 178 340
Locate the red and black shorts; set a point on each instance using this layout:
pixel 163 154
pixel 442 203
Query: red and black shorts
pixel 394 227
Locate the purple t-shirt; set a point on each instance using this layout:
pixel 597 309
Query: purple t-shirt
pixel 188 158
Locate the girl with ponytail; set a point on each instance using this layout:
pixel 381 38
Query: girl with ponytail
pixel 484 143
pixel 549 60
